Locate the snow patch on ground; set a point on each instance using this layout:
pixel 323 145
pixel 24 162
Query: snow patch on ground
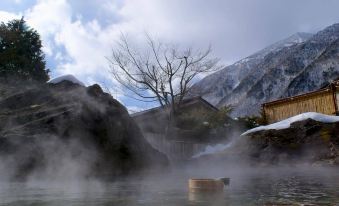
pixel 287 122
pixel 68 77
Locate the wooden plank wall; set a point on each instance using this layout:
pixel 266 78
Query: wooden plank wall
pixel 337 98
pixel 322 103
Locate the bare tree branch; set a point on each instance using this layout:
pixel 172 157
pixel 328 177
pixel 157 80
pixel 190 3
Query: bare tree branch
pixel 164 74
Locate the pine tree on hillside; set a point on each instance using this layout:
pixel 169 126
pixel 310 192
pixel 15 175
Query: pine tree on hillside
pixel 20 52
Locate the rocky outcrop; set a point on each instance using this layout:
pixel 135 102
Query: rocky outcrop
pixel 307 141
pixel 66 129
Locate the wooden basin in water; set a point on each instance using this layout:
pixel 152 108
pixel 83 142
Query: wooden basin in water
pixel 199 185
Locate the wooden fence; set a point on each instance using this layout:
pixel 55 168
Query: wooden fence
pixel 174 149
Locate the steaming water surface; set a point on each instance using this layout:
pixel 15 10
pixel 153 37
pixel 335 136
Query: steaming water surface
pixel 246 188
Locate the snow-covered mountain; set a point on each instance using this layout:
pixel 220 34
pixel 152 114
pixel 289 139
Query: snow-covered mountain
pixel 303 62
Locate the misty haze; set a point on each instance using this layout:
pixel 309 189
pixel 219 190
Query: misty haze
pixel 158 102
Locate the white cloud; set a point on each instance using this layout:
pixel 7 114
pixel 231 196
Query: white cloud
pixel 78 42
pixel 7 16
pixel 84 45
pixel 48 17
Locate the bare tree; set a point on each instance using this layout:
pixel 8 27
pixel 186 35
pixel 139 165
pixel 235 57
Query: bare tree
pixel 163 73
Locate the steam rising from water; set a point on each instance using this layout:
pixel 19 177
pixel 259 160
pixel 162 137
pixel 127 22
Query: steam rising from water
pixel 213 149
pixel 249 186
pixel 49 159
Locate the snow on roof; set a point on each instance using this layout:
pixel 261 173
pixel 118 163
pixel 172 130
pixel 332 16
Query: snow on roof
pixel 287 122
pixel 68 77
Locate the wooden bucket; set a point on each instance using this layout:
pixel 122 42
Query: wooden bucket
pixel 200 185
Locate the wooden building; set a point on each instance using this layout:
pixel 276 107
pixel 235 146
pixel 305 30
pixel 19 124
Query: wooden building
pixel 176 146
pixel 189 104
pixel 325 101
pixel 146 119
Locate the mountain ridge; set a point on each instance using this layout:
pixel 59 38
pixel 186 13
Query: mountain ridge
pixel 300 63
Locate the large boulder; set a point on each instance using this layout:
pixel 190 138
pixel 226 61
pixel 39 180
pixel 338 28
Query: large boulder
pixel 69 130
pixel 306 141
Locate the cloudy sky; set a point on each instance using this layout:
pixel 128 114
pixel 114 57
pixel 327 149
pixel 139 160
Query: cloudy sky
pixel 78 34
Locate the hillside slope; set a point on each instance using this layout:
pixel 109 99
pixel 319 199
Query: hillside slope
pixel 298 64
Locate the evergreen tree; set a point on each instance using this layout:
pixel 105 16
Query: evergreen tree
pixel 20 52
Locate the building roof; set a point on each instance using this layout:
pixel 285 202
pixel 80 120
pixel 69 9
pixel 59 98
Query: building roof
pixel 185 103
pixel 325 89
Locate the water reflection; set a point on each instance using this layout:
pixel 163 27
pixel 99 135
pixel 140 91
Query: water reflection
pixel 171 189
pixel 217 198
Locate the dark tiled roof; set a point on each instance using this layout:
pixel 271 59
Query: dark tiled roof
pixel 186 102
